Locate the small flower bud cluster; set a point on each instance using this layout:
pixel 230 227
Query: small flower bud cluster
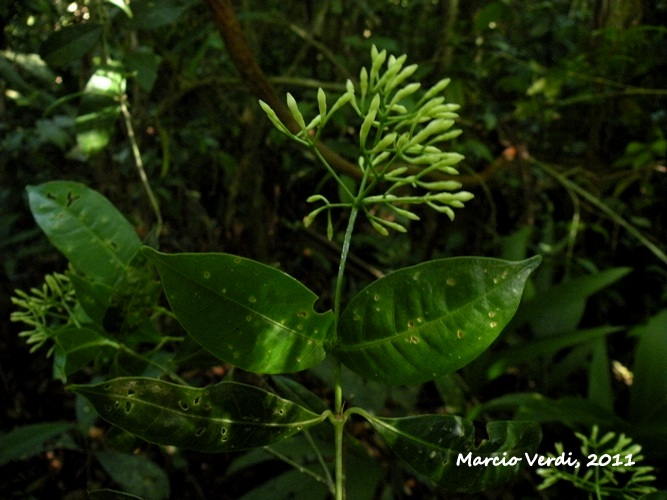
pixel 399 142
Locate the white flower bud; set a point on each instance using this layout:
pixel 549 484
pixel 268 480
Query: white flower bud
pixel 404 92
pixel 368 121
pixel 385 142
pixel 274 118
pixel 436 89
pixel 322 102
pixel 294 109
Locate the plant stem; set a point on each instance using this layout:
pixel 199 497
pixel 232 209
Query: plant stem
pixel 140 166
pixel 339 419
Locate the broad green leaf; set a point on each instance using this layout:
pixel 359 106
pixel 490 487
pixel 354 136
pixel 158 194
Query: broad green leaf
pixel 75 348
pixel 28 441
pixel 569 410
pixel 431 319
pixel 143 63
pixel 86 228
pixel 224 417
pixel 442 447
pixel 600 389
pixel 93 296
pixel 136 474
pixel 648 396
pixel 559 309
pixel 245 313
pixel 70 43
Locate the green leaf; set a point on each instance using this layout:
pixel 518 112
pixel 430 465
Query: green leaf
pixel 70 43
pixel 225 417
pixel 648 395
pixel 86 228
pixel 431 319
pixel 136 474
pixel 75 348
pixel 559 310
pixel 149 14
pixel 442 447
pixel 537 348
pixel 28 441
pixel 144 64
pixel 569 410
pixel 245 313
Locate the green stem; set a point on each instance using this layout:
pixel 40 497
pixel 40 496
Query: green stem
pixel 339 418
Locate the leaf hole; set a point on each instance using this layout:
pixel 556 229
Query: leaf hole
pixel 128 407
pixel 376 297
pixel 223 431
pixel 459 334
pixel 108 408
pixel 196 401
pixel 116 404
pixel 411 324
pixel 184 406
pixel 71 198
pixel 199 431
pixel 302 314
pixel 130 393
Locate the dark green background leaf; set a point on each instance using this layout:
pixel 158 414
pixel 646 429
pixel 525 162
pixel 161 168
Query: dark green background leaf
pixel 29 440
pixel 246 313
pixel 135 473
pixel 70 43
pixel 559 309
pixel 431 319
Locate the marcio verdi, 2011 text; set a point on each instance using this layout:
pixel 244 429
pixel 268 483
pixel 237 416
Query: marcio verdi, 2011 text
pixel 542 461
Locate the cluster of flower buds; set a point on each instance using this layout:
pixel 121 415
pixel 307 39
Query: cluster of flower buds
pixel 399 142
